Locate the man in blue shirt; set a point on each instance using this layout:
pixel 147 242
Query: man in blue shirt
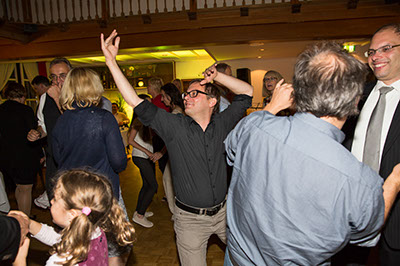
pixel 297 196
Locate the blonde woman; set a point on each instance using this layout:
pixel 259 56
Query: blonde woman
pixel 271 78
pixel 271 81
pixel 87 136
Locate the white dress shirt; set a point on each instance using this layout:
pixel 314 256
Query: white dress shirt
pixel 39 113
pixel 392 99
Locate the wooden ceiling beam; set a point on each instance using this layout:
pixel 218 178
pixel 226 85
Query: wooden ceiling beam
pixel 317 20
pixel 358 28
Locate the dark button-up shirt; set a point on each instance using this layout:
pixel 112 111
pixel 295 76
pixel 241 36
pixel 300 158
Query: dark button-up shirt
pixel 197 157
pixel 297 196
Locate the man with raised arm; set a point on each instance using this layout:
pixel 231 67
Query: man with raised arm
pixel 297 196
pixel 195 146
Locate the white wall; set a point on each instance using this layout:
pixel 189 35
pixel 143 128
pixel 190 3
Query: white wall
pixel 258 68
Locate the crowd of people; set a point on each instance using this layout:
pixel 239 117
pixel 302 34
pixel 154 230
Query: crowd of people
pixel 309 180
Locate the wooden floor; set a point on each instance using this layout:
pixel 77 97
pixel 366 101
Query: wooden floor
pixel 154 246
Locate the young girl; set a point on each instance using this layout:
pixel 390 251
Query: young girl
pixel 84 206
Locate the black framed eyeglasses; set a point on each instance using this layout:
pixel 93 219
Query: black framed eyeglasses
pixel 193 94
pixel 271 79
pixel 383 49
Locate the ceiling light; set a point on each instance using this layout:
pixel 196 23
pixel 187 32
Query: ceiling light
pixel 254 44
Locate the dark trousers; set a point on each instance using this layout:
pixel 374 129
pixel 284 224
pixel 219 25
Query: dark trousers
pixel 351 255
pixel 387 255
pixel 51 170
pixel 150 186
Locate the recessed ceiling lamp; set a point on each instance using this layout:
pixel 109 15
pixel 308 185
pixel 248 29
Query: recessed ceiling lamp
pixel 255 44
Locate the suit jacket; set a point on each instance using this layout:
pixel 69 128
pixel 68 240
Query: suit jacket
pixel 390 157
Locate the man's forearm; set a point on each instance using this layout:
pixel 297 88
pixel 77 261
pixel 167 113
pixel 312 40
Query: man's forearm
pixel 41 131
pixel 390 191
pixel 237 86
pixel 391 188
pixel 123 85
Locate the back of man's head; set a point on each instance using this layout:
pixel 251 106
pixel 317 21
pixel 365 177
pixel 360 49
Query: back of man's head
pixel 60 60
pixel 224 68
pixel 328 81
pixel 40 80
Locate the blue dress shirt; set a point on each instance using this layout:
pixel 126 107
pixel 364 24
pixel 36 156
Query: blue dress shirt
pixel 297 196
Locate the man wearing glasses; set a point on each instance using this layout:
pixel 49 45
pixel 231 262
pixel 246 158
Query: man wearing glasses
pixel 48 112
pixel 195 146
pixel 376 140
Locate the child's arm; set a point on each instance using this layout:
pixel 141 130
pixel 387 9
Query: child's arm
pixel 44 233
pixel 34 227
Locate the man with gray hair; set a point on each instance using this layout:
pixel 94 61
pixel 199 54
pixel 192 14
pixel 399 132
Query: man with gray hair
pixel 297 196
pixel 48 112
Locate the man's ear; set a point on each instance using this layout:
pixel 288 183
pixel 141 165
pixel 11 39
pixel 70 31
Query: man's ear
pixel 212 102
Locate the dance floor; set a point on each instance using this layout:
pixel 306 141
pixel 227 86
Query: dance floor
pixel 154 246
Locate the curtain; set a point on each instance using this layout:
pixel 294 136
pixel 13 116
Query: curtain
pixel 31 70
pixel 5 72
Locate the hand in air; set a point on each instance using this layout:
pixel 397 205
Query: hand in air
pixel 209 74
pixel 109 49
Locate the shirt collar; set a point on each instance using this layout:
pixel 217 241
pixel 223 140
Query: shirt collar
pixel 321 125
pixel 395 85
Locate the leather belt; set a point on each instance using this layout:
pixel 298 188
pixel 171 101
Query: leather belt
pixel 201 211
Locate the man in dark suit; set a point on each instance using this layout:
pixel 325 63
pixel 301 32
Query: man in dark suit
pixel 384 60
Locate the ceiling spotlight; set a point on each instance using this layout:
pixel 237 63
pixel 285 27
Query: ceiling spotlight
pixel 254 44
pixel 262 49
pixel 259 56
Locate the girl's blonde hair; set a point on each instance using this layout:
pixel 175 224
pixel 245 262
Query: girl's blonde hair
pixel 82 86
pixel 82 188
